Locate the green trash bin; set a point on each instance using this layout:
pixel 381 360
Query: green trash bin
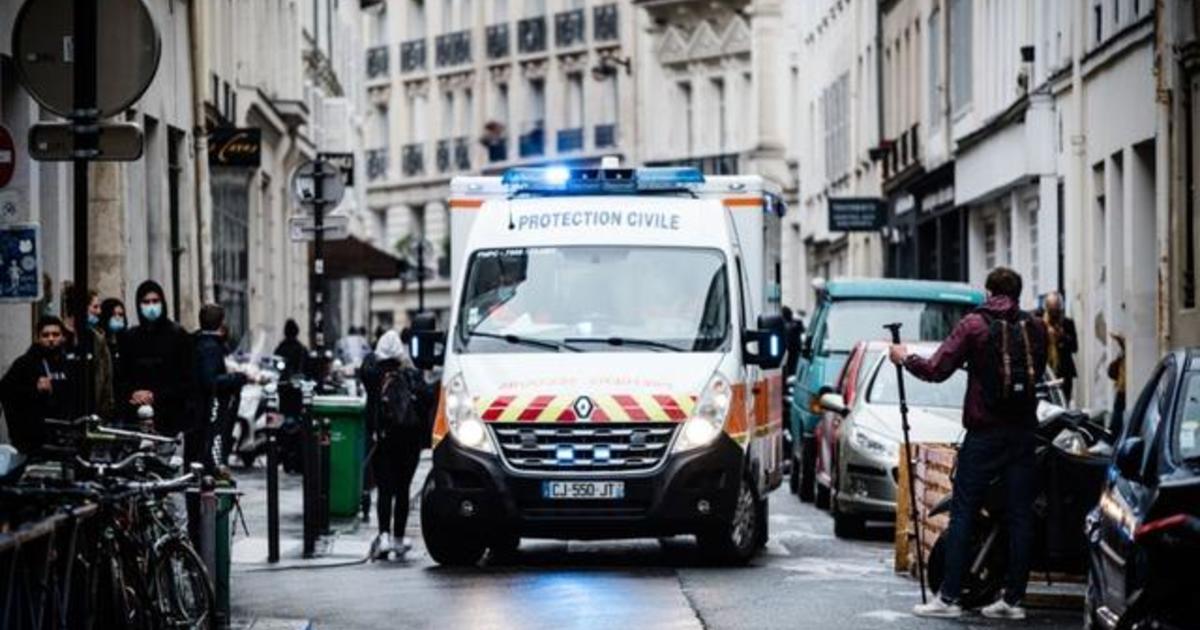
pixel 347 446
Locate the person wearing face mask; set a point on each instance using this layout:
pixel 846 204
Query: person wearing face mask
pixel 112 323
pixel 103 402
pixel 38 386
pixel 157 368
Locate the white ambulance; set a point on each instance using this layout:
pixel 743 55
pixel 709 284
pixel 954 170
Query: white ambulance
pixel 611 366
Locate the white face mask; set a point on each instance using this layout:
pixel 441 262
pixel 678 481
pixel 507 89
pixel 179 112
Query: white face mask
pixel 151 311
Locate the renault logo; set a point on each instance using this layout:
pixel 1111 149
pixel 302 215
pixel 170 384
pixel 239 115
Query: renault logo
pixel 583 408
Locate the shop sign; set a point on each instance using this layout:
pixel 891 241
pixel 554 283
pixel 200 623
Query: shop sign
pixel 234 146
pixel 856 214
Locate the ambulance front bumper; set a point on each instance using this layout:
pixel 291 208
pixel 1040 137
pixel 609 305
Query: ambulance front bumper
pixel 476 494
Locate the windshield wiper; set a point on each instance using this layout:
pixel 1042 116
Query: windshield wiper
pixel 626 341
pixel 526 341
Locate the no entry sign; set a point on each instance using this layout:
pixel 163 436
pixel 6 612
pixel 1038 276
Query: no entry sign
pixel 8 156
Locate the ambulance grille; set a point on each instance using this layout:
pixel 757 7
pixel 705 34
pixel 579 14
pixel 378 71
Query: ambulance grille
pixel 585 447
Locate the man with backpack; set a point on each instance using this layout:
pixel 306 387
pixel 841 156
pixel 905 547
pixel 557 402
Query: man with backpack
pixel 397 423
pixel 1004 349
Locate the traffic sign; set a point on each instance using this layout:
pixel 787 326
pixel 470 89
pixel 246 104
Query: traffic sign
pixel 8 156
pixel 58 142
pixel 128 49
pixel 20 263
pixel 344 161
pixel 304 184
pixel 335 227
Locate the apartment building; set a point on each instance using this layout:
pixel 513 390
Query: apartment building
pixel 469 86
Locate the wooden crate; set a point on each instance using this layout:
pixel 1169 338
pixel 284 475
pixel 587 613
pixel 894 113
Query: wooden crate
pixel 934 466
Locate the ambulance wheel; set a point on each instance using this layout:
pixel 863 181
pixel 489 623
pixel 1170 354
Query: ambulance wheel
pixel 503 548
pixel 794 475
pixel 736 542
pixel 448 546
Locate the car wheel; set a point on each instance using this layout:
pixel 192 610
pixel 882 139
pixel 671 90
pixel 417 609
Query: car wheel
pixel 794 475
pixel 1091 601
pixel 447 545
pixel 848 526
pixel 735 542
pixel 808 469
pixel 503 548
pixel 824 495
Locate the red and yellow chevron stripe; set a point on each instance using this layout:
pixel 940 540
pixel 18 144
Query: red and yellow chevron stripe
pixel 607 408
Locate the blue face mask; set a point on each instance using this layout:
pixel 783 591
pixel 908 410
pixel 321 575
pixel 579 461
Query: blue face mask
pixel 116 324
pixel 151 311
pixel 93 320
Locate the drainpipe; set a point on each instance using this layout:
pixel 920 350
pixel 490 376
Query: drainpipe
pixel 1164 169
pixel 203 200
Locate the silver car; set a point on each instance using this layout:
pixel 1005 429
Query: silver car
pixel 869 438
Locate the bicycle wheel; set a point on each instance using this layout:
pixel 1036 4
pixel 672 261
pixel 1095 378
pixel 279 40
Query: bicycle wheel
pixel 183 593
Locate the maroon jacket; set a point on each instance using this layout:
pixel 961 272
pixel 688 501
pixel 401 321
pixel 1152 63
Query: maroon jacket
pixel 967 344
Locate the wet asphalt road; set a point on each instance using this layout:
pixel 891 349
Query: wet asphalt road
pixel 807 578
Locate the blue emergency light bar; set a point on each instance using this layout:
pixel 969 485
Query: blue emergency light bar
pixel 592 181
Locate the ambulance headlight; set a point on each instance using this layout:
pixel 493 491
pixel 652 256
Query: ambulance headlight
pixel 465 425
pixel 708 418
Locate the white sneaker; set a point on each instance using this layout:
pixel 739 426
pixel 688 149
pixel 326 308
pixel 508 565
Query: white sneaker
pixel 1001 609
pixel 938 607
pixel 382 546
pixel 403 546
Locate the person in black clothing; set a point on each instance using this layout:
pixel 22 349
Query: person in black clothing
pixel 293 353
pixel 38 386
pixel 157 365
pixel 113 324
pixel 1063 342
pixel 397 451
pixel 217 386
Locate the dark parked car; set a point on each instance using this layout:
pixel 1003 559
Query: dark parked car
pixel 1144 536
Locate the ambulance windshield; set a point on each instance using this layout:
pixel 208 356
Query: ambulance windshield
pixel 594 299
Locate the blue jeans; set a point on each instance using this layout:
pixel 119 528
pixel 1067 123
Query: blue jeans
pixel 1008 453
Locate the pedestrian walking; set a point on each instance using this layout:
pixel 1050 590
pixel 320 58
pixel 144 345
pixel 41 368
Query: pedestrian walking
pixel 293 353
pixel 1062 343
pixel 37 386
pixel 396 423
pixel 1004 351
pixel 216 387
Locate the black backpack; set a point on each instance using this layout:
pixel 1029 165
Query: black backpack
pixel 398 392
pixel 1015 361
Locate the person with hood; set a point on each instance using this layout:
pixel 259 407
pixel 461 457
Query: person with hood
pixel 157 367
pixel 217 387
pixel 998 442
pixel 398 440
pixel 38 386
pixel 293 353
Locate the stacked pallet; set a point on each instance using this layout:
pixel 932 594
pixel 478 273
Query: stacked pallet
pixel 934 469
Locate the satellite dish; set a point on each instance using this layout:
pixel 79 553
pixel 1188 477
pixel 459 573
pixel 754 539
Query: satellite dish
pixel 128 50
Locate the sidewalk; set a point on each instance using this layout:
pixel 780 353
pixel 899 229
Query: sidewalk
pixel 348 544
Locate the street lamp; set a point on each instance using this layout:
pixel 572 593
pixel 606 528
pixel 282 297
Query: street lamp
pixel 607 67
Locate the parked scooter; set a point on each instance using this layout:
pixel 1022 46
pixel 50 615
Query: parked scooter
pixel 1072 454
pixel 258 405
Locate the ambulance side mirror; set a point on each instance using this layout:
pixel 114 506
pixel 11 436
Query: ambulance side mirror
pixel 427 347
pixel 765 346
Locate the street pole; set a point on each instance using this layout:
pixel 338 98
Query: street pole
pixel 421 273
pixel 84 118
pixel 317 273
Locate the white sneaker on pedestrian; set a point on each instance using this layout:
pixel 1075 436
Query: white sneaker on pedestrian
pixel 1001 609
pixel 938 607
pixel 382 546
pixel 405 545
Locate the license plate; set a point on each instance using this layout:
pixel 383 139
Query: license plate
pixel 583 489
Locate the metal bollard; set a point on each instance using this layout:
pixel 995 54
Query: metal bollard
pixel 208 525
pixel 324 478
pixel 272 497
pixel 311 486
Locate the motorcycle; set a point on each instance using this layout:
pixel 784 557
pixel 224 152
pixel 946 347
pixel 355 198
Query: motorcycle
pixel 257 407
pixel 1072 454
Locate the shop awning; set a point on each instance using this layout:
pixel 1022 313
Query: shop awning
pixel 354 258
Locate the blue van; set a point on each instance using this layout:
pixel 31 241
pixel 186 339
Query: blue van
pixel 853 310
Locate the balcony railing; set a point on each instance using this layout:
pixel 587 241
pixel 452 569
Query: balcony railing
pixel 606 136
pixel 462 154
pixel 412 159
pixel 605 26
pixel 722 164
pixel 453 49
pixel 377 62
pixel 570 139
pixel 569 29
pixel 497 149
pixel 499 43
pixel 531 35
pixel 377 164
pixel 532 142
pixel 412 55
pixel 443 155
pixel 905 151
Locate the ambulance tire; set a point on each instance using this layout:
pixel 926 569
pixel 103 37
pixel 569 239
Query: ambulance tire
pixel 808 470
pixel 448 546
pixel 735 543
pixel 503 549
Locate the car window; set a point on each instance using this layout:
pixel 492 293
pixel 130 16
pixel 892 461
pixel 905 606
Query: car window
pixel 949 394
pixel 852 321
pixel 1155 408
pixel 1187 434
